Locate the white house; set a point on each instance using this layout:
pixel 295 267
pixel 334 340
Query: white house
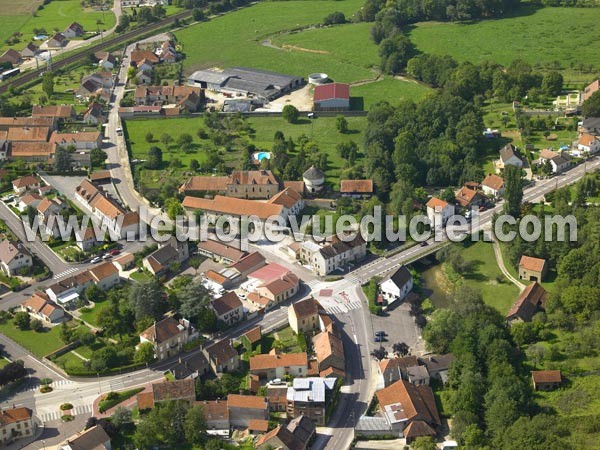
pixel 439 211
pixel 510 156
pixel 396 286
pixel 558 161
pixel 13 257
pixel 588 143
pixel 493 185
pixel 39 306
pixel 29 182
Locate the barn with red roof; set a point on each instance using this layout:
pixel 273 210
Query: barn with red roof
pixel 332 97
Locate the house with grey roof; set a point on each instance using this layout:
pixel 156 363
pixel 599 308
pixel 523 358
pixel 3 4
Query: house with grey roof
pixel 510 156
pixel 396 286
pixel 170 253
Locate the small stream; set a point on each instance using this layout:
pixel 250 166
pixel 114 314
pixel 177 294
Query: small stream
pixel 435 284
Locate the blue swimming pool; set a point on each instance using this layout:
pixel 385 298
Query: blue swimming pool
pixel 262 155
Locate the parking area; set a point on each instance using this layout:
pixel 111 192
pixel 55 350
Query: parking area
pixel 399 326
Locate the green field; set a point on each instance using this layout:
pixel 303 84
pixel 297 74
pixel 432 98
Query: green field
pixel 544 35
pixel 55 16
pixel 483 277
pixel 389 89
pixel 322 130
pixel 235 39
pixel 40 344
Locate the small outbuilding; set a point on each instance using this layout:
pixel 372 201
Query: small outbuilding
pixel 532 269
pixel 546 380
pixel 314 179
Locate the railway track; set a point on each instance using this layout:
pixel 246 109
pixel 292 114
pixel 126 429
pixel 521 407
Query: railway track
pixel 28 76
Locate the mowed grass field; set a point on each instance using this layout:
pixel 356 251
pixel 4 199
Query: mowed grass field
pixel 484 275
pixel 535 35
pixel 351 44
pixel 55 16
pixel 322 130
pixel 236 39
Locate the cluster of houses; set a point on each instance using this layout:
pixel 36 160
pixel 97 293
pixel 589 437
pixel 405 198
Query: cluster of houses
pixel 259 194
pixel 296 386
pixel 406 404
pixel 144 59
pixel 57 41
pixel 164 100
pixel 49 306
pixel 110 214
pixel 36 138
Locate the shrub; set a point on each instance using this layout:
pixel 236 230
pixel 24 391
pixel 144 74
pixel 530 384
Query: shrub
pixel 66 407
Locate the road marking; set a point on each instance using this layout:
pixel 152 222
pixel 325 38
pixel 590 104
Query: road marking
pixel 65 273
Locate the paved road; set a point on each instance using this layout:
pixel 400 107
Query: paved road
pixel 381 266
pixel 37 247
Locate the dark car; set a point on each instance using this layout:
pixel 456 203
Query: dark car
pixel 424 244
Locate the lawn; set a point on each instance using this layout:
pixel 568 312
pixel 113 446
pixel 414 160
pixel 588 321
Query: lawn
pixel 69 362
pixel 55 16
pixel 65 84
pixel 322 130
pixel 350 43
pixel 286 336
pixel 536 35
pixel 91 315
pixel 390 89
pixel 40 344
pixel 484 275
pixel 236 39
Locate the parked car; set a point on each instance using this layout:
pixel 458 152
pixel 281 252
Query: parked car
pixel 115 252
pixel 96 260
pixel 107 256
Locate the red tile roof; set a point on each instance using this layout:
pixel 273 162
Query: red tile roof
pixel 531 263
pixel 258 425
pixel 263 362
pixel 414 401
pixel 356 186
pixel 15 415
pixel 465 196
pixel 247 402
pixel 332 91
pixel 493 182
pixel 546 376
pixel 435 202
pixel 587 139
pixel 233 206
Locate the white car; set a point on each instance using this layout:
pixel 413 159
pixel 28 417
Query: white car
pixel 96 260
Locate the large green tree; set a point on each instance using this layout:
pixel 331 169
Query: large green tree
pixel 513 190
pixel 591 107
